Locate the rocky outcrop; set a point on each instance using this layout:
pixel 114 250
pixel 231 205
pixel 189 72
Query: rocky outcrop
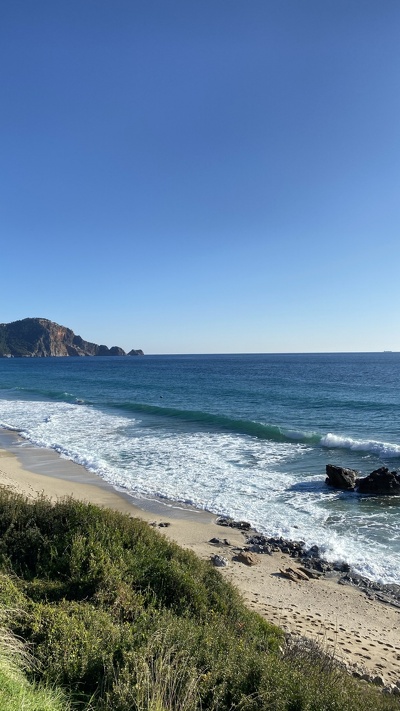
pixel 116 351
pixel 341 478
pixel 247 557
pixel 381 481
pixel 226 521
pixel 133 352
pixel 40 338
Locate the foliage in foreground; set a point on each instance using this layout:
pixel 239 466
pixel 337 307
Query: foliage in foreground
pixel 16 692
pixel 124 620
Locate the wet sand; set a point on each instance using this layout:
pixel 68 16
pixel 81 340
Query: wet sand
pixel 358 630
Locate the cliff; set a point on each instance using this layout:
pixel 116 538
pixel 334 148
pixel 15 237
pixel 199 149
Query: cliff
pixel 39 337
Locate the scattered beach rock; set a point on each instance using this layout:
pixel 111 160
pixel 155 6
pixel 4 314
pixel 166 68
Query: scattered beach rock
pixel 311 574
pixel 219 561
pixel 255 548
pixel 219 541
pixel 341 478
pixel 226 521
pixel 378 680
pixel 247 557
pixel 294 574
pixel 258 544
pixel 311 562
pixel 389 594
pixel 381 482
pixel 273 545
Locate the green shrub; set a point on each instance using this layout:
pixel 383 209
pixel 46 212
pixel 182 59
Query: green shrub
pixel 16 692
pixel 11 594
pixel 125 620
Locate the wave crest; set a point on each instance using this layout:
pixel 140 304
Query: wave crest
pixel 381 449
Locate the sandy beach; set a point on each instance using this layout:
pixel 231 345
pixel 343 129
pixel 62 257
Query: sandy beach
pixel 360 631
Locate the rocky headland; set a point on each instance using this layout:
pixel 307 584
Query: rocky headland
pixel 41 338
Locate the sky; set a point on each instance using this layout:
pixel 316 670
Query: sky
pixel 203 176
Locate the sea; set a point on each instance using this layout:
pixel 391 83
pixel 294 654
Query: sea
pixel 247 436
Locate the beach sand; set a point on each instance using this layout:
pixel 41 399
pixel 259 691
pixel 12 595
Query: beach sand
pixel 358 630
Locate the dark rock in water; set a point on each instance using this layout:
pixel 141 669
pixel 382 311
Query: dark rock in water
pixel 258 543
pixel 313 552
pixel 341 567
pixel 257 540
pixel 103 351
pixel 292 548
pixel 255 548
pixel 381 481
pixel 340 478
pixel 318 564
pixel 243 525
pixel 116 351
pixel 224 521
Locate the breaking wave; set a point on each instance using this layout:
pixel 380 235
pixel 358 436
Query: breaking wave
pixel 380 449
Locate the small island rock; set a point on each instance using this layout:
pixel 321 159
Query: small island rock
pixel 341 478
pixel 381 481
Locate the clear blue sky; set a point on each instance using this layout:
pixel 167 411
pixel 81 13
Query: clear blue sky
pixel 191 176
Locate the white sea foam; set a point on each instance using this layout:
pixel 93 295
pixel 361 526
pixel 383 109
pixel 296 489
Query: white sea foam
pixel 381 449
pixel 228 473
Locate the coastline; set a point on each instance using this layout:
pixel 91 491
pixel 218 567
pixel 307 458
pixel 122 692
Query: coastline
pixel 360 631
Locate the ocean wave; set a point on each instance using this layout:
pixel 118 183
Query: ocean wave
pixel 38 394
pixel 380 449
pixel 198 419
pixel 215 466
pixel 259 430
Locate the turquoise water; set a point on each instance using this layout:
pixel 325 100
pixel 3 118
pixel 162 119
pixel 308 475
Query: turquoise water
pixel 244 435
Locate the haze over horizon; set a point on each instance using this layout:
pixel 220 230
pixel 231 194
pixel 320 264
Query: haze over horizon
pixel 205 177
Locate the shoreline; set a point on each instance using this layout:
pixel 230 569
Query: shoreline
pixel 360 631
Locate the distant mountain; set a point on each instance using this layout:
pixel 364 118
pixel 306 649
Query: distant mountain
pixel 39 338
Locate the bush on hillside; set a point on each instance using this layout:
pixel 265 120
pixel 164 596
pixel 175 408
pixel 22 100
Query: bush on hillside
pixel 123 620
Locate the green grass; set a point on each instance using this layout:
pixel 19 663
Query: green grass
pixel 123 620
pixel 16 692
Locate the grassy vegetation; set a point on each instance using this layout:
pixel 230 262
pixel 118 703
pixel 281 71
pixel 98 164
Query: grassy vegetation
pixel 16 692
pixel 123 620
